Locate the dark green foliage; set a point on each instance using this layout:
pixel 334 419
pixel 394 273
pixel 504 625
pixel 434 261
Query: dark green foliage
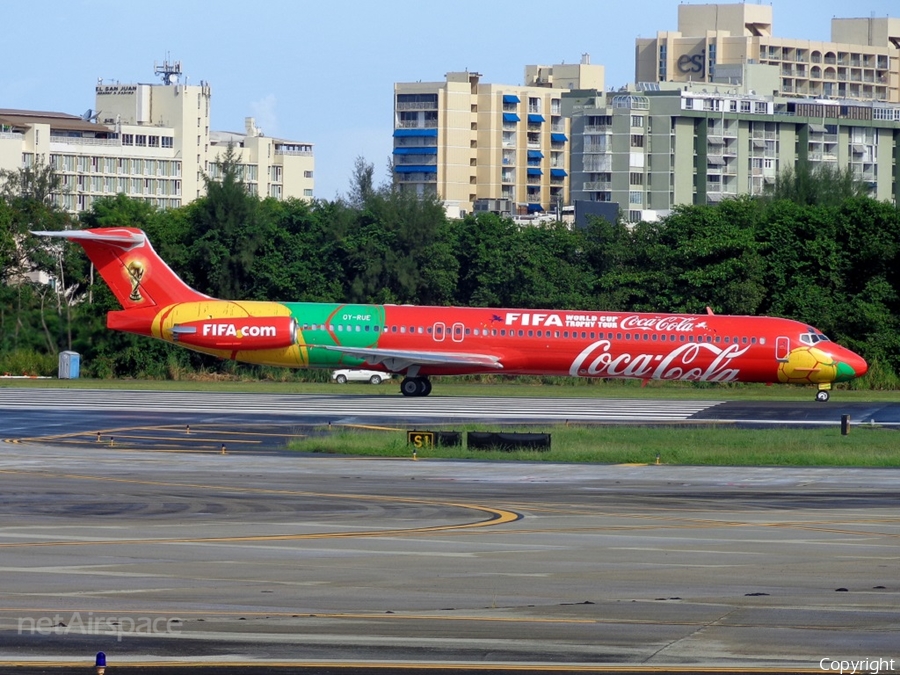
pixel 819 186
pixel 833 262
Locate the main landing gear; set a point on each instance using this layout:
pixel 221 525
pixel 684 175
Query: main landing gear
pixel 415 386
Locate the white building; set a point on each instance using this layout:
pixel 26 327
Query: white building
pixel 149 142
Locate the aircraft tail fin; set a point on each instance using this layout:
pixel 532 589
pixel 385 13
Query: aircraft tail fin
pixel 137 276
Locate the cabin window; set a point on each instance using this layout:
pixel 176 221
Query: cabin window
pixel 681 338
pixel 627 336
pixel 592 335
pixel 654 337
pixel 618 336
pixel 727 339
pixel 468 331
pixel 521 332
pixel 367 328
pixel 556 334
pixel 376 328
pixel 429 330
pixel 744 340
pixel 646 337
pixel 531 333
pixel 402 329
pixel 662 337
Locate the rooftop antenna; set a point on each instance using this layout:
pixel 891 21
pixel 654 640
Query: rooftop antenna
pixel 170 72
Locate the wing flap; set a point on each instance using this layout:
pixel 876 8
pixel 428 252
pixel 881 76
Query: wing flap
pixel 400 359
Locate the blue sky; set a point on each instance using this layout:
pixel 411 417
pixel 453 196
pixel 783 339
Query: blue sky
pixel 323 72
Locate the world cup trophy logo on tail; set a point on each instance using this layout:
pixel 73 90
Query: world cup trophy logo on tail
pixel 135 274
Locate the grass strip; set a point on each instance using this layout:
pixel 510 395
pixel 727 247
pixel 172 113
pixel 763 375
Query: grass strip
pixel 864 446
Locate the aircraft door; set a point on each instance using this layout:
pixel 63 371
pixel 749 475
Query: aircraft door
pixel 782 348
pixel 439 331
pixel 458 332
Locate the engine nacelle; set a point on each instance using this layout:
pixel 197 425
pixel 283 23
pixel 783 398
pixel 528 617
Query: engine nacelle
pixel 257 332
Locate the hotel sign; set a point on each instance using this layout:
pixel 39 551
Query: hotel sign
pixel 115 89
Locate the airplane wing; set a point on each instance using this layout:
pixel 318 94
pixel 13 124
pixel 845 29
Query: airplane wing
pixel 397 360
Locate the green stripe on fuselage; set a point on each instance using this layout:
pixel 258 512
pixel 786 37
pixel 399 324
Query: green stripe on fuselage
pixel 350 326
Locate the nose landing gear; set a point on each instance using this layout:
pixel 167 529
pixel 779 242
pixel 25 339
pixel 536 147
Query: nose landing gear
pixel 824 392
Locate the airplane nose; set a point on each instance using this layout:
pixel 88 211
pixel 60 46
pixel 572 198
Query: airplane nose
pixel 850 365
pixel 859 365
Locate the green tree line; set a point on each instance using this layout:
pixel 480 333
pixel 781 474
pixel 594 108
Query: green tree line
pixel 829 257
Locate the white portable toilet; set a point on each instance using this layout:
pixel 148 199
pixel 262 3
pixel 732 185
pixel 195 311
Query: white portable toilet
pixel 69 365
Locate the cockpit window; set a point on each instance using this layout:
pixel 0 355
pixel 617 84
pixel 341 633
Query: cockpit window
pixel 812 338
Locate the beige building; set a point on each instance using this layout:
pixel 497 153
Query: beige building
pixel 467 141
pixel 149 142
pixel 862 62
pixel 270 167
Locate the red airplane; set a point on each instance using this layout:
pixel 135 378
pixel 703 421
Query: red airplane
pixel 419 342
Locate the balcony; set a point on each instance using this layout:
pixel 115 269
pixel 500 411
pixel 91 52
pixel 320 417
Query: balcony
pixel 417 105
pixel 593 186
pixel 415 124
pixel 79 140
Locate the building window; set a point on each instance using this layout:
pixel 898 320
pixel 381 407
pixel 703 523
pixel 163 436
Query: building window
pixel 635 197
pixel 167 142
pixel 307 192
pixel 127 139
pixel 153 141
pixel 637 140
pixel 307 174
pixel 635 178
pixel 140 140
pixel 637 121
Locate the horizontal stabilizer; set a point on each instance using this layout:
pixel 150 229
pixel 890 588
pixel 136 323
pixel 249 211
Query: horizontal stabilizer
pixel 111 237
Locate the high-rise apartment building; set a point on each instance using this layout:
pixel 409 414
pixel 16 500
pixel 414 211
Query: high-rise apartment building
pixel 465 141
pixel 658 146
pixel 861 62
pixel 149 142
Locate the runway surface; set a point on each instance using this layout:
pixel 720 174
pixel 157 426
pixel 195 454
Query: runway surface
pixel 23 408
pixel 277 560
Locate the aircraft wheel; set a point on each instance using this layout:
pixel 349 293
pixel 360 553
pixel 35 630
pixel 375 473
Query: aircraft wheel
pixel 426 387
pixel 375 379
pixel 410 386
pixel 822 396
pixel 341 379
